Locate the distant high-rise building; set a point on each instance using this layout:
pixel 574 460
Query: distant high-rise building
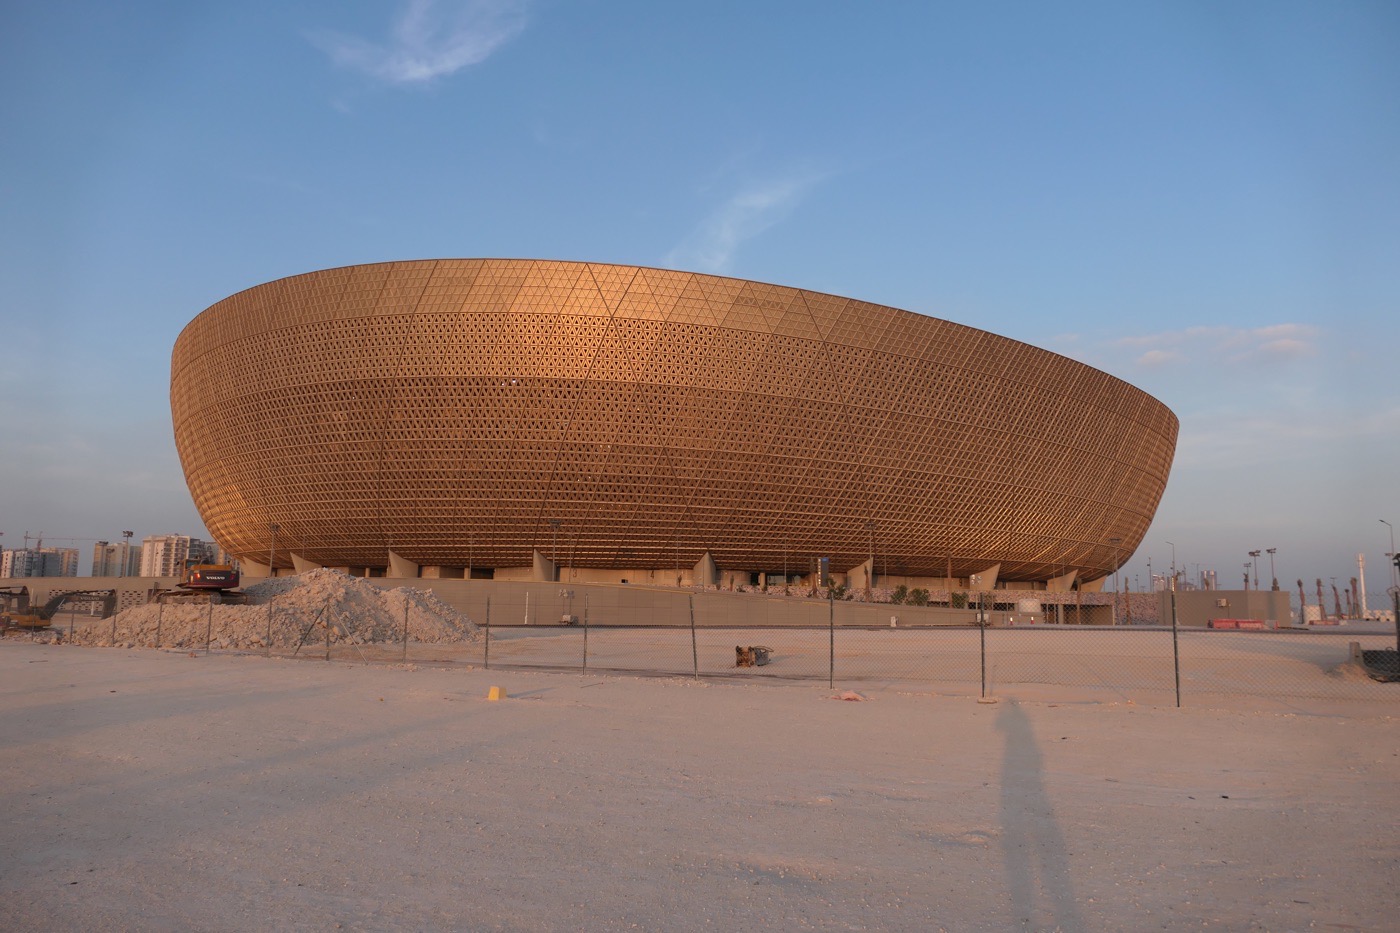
pixel 165 555
pixel 39 562
pixel 108 560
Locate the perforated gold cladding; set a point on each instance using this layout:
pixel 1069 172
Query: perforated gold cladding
pixel 450 410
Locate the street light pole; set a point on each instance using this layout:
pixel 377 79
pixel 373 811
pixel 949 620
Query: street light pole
pixel 126 553
pixel 272 551
pixel 1254 559
pixel 1173 547
pixel 1272 574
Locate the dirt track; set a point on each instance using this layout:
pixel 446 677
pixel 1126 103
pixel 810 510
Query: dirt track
pixel 161 791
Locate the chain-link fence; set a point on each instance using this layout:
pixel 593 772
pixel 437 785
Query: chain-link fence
pixel 992 645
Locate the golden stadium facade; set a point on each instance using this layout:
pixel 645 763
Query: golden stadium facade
pixel 483 416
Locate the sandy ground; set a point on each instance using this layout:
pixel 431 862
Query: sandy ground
pixel 155 790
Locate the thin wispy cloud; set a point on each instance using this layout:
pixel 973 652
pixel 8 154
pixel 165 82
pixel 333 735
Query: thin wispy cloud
pixel 1231 437
pixel 743 216
pixel 1255 397
pixel 429 40
pixel 1158 358
pixel 1193 345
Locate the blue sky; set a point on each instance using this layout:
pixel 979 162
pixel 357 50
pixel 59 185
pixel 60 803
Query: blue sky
pixel 1200 198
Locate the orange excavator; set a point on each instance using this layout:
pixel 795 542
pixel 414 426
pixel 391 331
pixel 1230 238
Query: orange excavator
pixel 205 583
pixel 18 613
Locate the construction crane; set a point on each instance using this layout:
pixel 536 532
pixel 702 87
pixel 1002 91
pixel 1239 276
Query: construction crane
pixel 40 538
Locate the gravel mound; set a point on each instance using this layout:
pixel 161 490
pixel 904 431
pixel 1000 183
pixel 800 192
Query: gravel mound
pixel 283 610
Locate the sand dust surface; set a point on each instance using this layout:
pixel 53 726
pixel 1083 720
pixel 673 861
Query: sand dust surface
pixel 159 790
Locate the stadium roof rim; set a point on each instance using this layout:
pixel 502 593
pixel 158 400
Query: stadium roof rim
pixel 625 265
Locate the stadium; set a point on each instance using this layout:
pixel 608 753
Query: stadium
pixel 544 420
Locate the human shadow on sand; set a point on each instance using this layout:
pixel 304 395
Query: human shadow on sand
pixel 1038 874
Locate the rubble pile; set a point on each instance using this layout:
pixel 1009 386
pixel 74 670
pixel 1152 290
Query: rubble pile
pixel 284 610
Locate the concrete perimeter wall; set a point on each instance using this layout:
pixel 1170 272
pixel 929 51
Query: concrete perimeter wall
pixel 131 591
pixel 540 603
pixel 1197 608
pixel 518 603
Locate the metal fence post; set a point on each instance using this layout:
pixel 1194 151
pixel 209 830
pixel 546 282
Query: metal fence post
pixel 209 625
pixel 268 644
pixel 307 631
pixel 831 639
pixel 694 651
pixel 1395 597
pixel 982 637
pixel 1176 651
pixel 487 663
pixel 405 628
pixel 160 617
pixel 585 632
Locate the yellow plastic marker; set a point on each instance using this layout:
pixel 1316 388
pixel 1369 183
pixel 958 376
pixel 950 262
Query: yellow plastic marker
pixel 496 693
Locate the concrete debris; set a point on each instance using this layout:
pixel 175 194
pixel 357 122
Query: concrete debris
pixel 282 609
